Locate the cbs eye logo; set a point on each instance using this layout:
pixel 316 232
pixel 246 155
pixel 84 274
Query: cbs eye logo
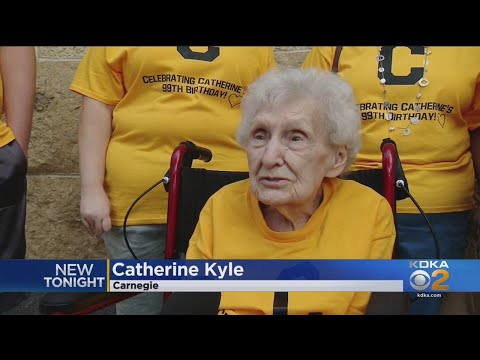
pixel 420 279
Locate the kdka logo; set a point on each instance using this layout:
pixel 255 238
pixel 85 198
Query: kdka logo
pixel 421 279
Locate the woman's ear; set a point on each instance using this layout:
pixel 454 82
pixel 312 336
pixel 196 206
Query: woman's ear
pixel 339 162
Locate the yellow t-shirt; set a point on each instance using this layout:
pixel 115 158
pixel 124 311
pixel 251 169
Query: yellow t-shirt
pixel 6 134
pixel 352 222
pixel 435 156
pixel 163 96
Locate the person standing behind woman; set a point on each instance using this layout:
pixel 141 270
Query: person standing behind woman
pixel 427 99
pixel 139 103
pixel 17 97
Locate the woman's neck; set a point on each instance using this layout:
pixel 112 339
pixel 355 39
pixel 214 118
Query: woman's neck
pixel 290 217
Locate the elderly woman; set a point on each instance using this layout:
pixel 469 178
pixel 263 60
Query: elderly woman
pixel 300 129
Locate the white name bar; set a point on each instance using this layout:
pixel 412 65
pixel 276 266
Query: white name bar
pixel 254 285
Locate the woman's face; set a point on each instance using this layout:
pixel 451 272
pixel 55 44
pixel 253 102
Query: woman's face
pixel 289 155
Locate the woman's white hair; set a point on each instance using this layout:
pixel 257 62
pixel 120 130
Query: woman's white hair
pixel 332 99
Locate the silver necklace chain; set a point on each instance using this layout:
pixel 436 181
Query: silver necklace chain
pixel 422 83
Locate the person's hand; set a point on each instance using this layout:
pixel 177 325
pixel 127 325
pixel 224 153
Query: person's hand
pixel 95 210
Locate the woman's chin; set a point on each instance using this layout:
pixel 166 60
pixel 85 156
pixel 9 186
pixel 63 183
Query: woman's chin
pixel 273 198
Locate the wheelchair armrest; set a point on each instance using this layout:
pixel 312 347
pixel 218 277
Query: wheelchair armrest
pixel 79 303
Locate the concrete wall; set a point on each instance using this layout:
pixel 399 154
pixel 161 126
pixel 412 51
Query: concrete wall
pixel 54 229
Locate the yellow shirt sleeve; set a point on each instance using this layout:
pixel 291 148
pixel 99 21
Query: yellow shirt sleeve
pixel 201 243
pixel 271 63
pixel 382 248
pixel 99 75
pixel 384 235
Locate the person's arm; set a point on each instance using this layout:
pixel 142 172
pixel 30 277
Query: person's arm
pixel 18 72
pixel 94 134
pixel 475 149
pixel 472 119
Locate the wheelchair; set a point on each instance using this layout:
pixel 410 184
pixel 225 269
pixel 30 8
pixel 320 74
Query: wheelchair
pixel 188 190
